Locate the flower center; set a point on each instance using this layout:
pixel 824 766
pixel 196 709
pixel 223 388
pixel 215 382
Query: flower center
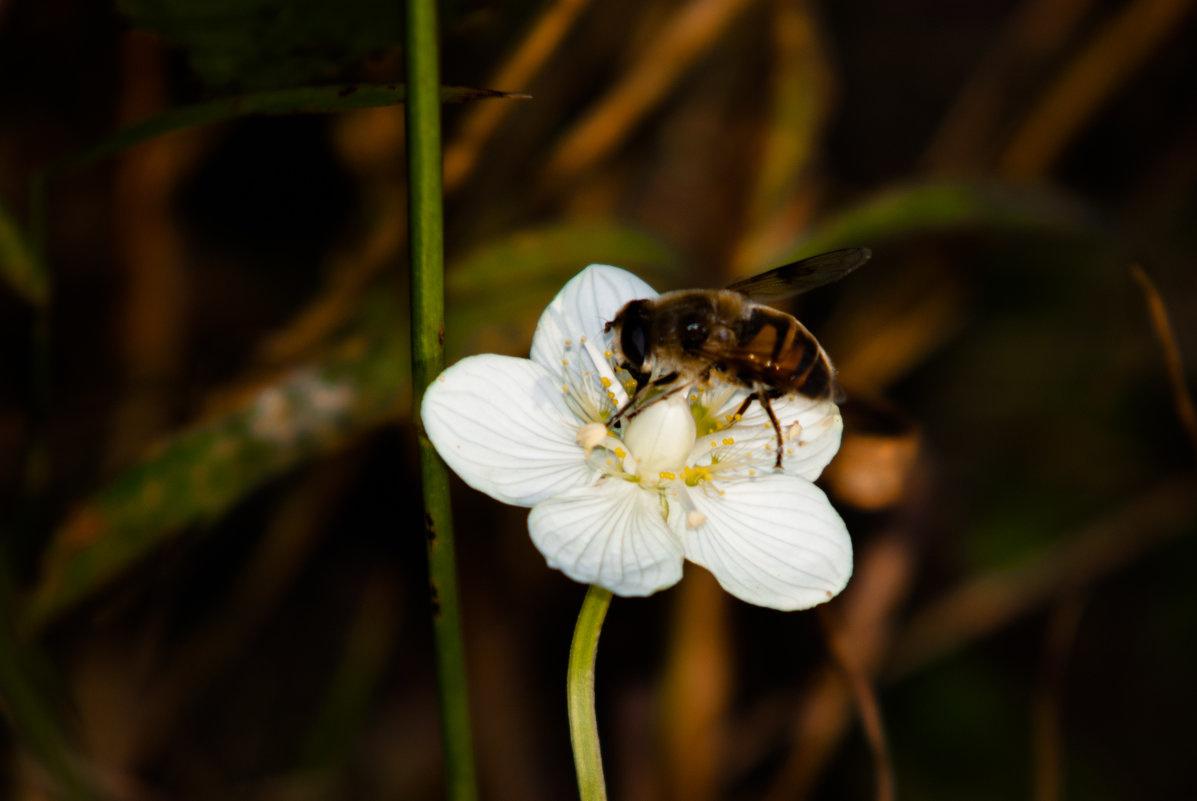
pixel 661 437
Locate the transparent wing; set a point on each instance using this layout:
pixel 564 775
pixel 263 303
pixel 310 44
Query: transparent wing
pixel 802 275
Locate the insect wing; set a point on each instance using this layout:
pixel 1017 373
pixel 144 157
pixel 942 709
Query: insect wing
pixel 802 275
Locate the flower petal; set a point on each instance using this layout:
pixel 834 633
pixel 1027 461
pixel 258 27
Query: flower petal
pixel 773 541
pixel 812 429
pixel 503 425
pixel 611 534
pixel 586 303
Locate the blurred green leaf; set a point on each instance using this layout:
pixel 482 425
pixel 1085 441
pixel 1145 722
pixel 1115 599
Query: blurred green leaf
pixel 33 702
pixel 18 267
pixel 552 255
pixel 198 474
pixel 280 102
pixel 497 290
pixel 270 43
pixel 937 207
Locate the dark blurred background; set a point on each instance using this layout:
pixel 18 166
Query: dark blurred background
pixel 215 578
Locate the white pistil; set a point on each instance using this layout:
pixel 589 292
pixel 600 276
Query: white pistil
pixel 591 435
pixel 661 436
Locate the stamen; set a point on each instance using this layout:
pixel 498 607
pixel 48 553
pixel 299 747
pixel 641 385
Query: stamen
pixel 681 496
pixel 692 475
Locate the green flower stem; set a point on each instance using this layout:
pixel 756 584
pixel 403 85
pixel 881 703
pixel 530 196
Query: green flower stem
pixel 425 226
pixel 583 726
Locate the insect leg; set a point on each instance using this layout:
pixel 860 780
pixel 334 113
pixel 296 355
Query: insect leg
pixel 747 402
pixel 634 403
pixel 764 396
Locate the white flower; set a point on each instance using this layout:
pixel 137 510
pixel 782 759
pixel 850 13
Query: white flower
pixel 623 505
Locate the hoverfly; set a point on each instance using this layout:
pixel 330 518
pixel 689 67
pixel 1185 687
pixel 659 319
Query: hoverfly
pixel 694 338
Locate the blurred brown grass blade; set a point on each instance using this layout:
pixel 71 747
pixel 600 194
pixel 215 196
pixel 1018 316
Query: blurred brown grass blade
pixel 1047 733
pixel 1182 399
pixel 1109 60
pixel 697 690
pixel 986 602
pixel 368 142
pixel 802 89
pixel 843 651
pixel 1037 30
pixel 481 120
pixel 884 571
pixel 152 317
pixel 688 35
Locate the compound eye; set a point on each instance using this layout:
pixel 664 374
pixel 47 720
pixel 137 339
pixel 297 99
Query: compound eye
pixel 634 342
pixel 694 333
pixel 634 321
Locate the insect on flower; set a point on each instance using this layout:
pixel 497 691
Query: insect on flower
pixel 696 338
pixel 623 494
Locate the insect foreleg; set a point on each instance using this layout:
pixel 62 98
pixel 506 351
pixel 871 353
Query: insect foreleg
pixel 636 403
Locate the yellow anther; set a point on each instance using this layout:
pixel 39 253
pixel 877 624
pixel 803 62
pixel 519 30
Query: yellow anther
pixel 606 381
pixel 565 362
pixel 729 441
pixel 608 354
pixel 568 343
pixel 714 444
pixel 620 452
pixel 582 340
pixel 693 475
pixel 665 475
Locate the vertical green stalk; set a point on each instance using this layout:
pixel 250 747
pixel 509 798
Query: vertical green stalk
pixel 583 725
pixel 425 225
